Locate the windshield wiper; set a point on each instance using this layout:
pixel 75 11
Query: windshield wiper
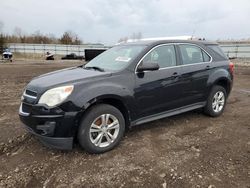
pixel 95 68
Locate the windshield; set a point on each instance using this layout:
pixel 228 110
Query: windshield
pixel 116 58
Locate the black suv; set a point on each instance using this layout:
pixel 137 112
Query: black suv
pixel 127 85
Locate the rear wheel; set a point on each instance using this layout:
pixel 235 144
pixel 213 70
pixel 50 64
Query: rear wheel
pixel 216 101
pixel 101 129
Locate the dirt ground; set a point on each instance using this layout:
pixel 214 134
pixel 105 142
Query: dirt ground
pixel 187 150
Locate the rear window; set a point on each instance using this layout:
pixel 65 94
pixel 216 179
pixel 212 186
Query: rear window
pixel 218 50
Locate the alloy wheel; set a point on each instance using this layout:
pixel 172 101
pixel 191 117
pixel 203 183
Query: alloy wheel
pixel 218 101
pixel 104 130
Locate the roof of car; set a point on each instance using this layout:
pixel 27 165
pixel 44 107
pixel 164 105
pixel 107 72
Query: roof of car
pixel 157 42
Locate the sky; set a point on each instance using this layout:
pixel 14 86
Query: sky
pixel 106 21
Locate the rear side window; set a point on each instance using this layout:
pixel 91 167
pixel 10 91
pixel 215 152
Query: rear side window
pixel 218 50
pixel 192 54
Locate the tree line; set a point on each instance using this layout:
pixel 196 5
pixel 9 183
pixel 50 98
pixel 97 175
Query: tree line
pixel 68 37
pixel 18 36
pixel 2 41
pixel 134 36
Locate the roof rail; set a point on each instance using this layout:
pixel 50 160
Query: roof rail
pixel 164 38
pixel 169 38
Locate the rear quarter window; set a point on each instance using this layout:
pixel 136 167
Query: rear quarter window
pixel 217 49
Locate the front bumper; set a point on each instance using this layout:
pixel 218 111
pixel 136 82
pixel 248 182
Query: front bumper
pixel 53 127
pixel 54 142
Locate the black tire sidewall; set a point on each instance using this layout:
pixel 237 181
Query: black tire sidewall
pixel 87 120
pixel 209 109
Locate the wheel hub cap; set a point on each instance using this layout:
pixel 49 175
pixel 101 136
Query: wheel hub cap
pixel 218 101
pixel 104 130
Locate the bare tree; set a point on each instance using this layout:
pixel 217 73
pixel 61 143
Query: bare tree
pixel 1 26
pixel 134 36
pixel 139 35
pixel 69 37
pixel 123 39
pixel 66 38
pixel 38 37
pixel 2 38
pixel 18 32
pixel 2 43
pixel 52 38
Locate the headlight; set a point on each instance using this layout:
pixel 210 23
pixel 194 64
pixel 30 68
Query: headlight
pixel 55 96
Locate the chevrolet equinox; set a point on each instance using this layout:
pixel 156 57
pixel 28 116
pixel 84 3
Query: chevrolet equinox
pixel 127 85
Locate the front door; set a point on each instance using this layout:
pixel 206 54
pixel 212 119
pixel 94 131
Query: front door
pixel 158 91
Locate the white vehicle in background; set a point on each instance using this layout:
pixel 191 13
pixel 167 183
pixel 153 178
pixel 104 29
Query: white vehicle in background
pixel 49 56
pixel 7 55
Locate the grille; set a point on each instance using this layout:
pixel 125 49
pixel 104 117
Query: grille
pixel 30 93
pixel 26 108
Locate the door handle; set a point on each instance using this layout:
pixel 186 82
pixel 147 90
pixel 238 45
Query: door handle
pixel 175 75
pixel 207 67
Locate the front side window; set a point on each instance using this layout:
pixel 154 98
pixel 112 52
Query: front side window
pixel 193 54
pixel 116 58
pixel 163 55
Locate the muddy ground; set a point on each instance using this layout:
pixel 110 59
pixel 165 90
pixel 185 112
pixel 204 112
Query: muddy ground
pixel 187 150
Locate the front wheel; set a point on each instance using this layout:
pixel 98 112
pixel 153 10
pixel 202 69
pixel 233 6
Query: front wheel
pixel 216 101
pixel 101 129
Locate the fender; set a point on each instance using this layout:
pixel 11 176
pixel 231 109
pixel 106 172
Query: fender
pixel 217 75
pixel 88 94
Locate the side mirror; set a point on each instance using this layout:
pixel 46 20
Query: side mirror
pixel 147 66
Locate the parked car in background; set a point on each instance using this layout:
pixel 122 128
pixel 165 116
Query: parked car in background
pixel 73 56
pixel 127 85
pixel 49 56
pixel 7 55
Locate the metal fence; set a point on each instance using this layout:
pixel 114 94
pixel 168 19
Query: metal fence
pixel 236 50
pixel 231 50
pixel 56 49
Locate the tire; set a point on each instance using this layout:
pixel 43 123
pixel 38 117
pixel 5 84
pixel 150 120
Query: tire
pixel 215 108
pixel 99 140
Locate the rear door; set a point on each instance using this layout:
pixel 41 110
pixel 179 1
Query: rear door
pixel 158 91
pixel 196 67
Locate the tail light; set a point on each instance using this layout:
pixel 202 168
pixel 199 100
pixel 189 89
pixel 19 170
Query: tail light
pixel 231 67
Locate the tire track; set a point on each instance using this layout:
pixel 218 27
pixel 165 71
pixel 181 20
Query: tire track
pixel 12 145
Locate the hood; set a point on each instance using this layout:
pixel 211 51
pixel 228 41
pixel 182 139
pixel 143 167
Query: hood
pixel 63 77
